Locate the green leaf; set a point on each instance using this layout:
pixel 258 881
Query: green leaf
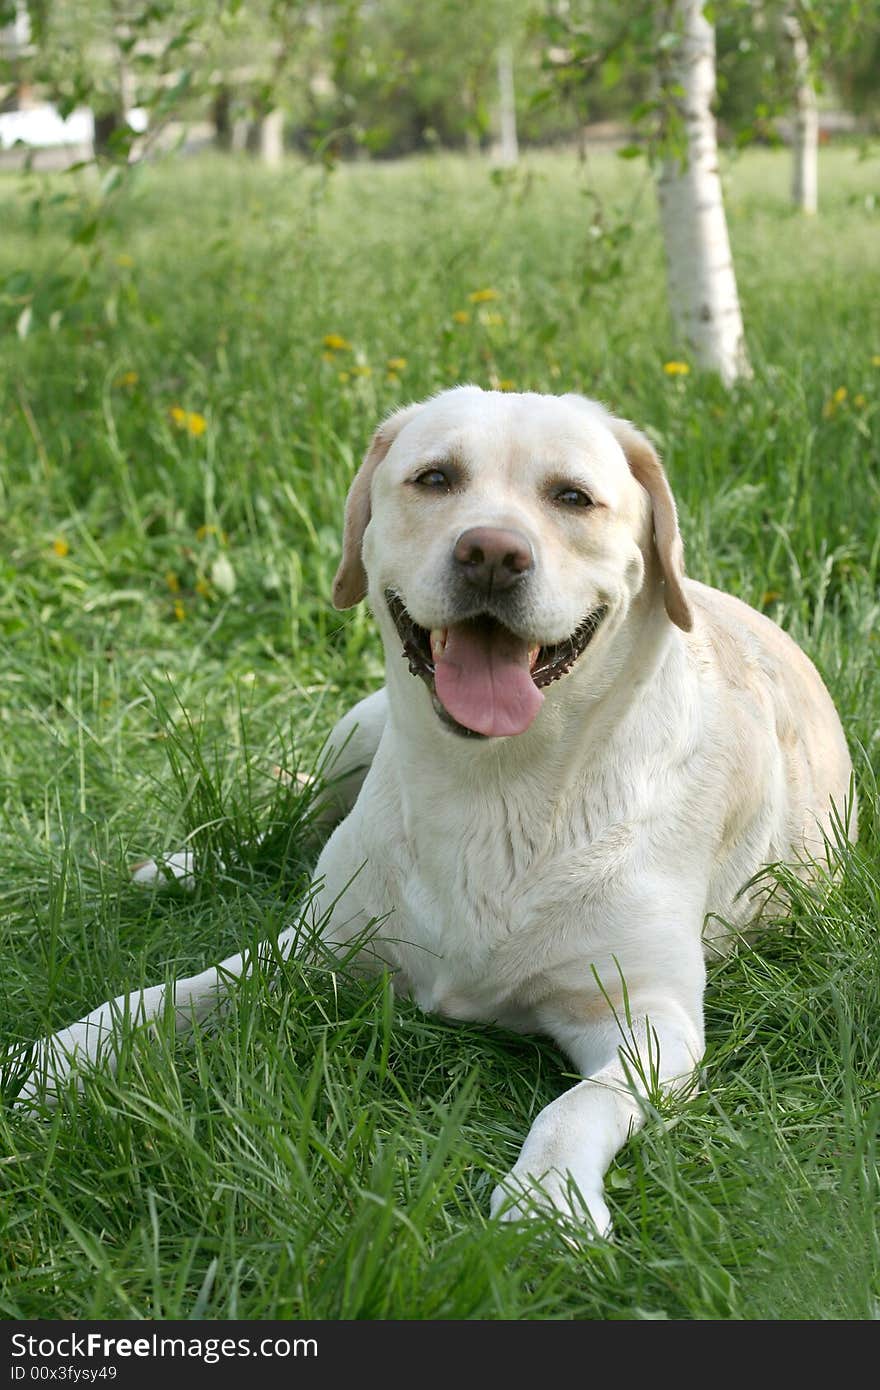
pixel 611 71
pixel 85 234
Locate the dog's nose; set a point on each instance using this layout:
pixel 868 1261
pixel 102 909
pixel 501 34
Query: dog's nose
pixel 492 558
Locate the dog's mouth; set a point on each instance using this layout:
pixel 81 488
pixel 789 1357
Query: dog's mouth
pixel 485 681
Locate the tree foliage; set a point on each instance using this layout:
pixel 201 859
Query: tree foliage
pixel 390 76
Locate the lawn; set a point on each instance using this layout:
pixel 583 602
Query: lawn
pixel 179 425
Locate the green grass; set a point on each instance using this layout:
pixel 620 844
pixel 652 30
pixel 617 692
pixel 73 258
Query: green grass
pixel 328 1151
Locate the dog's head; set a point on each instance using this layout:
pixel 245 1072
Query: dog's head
pixel 500 536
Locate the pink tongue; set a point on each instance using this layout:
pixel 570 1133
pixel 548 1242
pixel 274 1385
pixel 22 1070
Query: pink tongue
pixel 483 680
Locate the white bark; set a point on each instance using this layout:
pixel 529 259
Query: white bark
pixel 15 37
pixel 508 144
pixel 271 139
pixel 805 127
pixel 702 285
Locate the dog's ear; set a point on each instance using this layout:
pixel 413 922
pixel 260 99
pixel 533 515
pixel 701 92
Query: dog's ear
pixel 647 469
pixel 350 584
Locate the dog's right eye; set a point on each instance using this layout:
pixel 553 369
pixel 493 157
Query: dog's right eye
pixel 573 497
pixel 433 478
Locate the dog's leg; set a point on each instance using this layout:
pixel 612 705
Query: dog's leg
pixel 574 1139
pixel 96 1037
pixel 347 756
pixel 345 762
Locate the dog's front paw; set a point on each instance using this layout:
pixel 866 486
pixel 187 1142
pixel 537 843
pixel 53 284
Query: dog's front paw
pixel 92 1041
pixel 55 1059
pixel 172 868
pixel 523 1195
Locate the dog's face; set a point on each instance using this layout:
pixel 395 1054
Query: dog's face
pixel 499 534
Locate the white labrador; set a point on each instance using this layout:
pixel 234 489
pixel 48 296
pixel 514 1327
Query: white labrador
pixel 582 758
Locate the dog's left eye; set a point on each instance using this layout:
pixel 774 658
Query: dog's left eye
pixel 573 497
pixel 433 478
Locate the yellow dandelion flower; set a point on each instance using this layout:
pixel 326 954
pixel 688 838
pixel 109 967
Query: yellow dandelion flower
pixel 203 588
pixel 396 364
pixel 60 546
pixel 179 611
pixel 125 261
pixel 127 379
pixel 770 597
pixel 483 296
pixel 328 356
pixel 172 581
pixel 859 401
pixel 336 343
pixel 204 531
pixel 676 368
pixel 392 378
pixel 875 360
pixel 840 395
pixel 189 420
pixel 505 384
pixel 461 316
pixel 343 377
pixel 362 370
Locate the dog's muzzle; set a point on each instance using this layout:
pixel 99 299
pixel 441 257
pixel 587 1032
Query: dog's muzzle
pixel 485 680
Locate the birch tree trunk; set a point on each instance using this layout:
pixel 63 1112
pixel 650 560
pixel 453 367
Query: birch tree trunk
pixel 271 138
pixel 805 131
pixel 112 135
pixel 508 144
pixel 702 285
pixel 15 40
pixel 15 37
pixel 221 111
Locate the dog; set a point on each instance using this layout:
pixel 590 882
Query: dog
pixel 579 759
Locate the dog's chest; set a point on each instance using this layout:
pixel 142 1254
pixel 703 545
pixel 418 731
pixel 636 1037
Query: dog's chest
pixel 489 907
